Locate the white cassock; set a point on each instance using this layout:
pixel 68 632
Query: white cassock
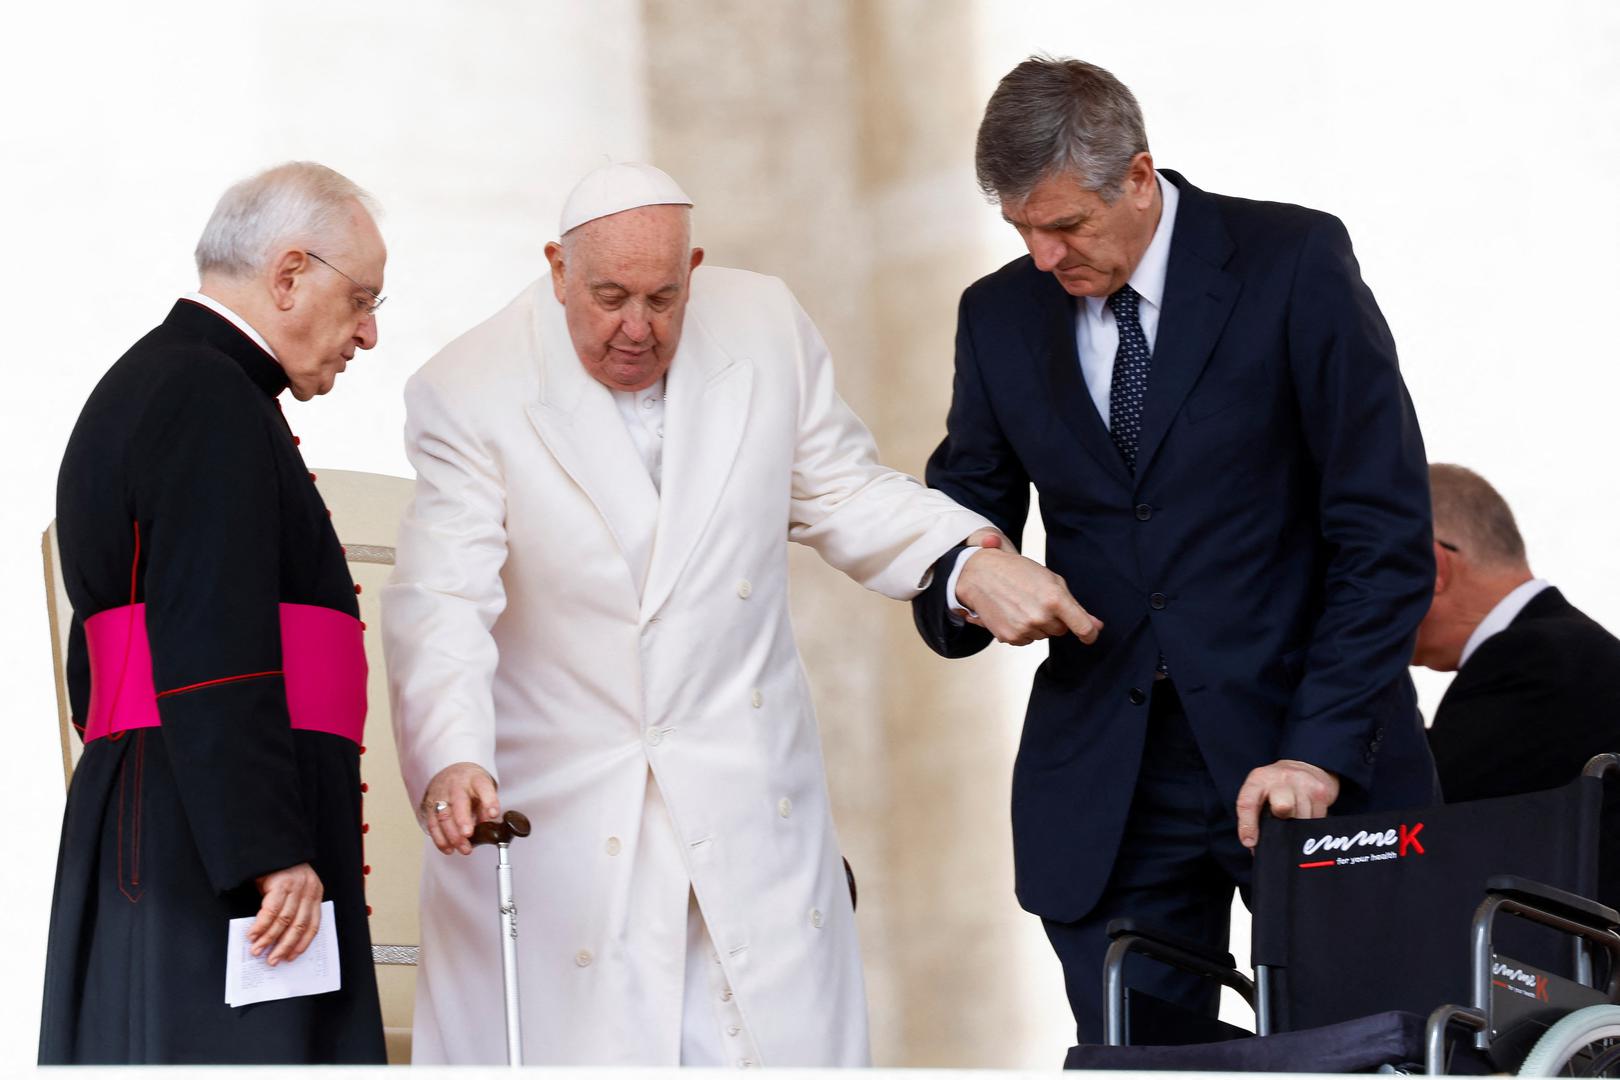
pixel 622 661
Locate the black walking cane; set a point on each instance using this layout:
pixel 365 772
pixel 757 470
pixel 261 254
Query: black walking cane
pixel 501 833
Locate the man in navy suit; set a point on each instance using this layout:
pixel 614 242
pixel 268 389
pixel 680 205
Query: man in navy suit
pixel 1537 690
pixel 1232 480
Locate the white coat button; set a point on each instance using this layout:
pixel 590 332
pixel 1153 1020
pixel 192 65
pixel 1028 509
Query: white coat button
pixel 744 589
pixel 649 403
pixel 733 1029
pixel 725 995
pixel 613 847
pixel 654 736
pixel 815 918
pixel 583 958
pixel 785 808
pixel 758 699
pixel 745 1063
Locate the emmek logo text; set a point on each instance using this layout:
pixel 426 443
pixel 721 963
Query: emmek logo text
pixel 1403 839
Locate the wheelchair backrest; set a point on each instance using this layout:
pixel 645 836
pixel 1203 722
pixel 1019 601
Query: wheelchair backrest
pixel 1371 912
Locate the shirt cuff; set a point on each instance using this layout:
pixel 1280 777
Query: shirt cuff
pixel 953 607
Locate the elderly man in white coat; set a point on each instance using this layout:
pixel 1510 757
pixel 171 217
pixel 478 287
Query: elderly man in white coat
pixel 590 604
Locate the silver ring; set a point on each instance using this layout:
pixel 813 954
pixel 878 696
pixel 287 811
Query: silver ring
pixel 441 808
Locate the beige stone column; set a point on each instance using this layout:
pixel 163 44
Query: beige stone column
pixel 830 143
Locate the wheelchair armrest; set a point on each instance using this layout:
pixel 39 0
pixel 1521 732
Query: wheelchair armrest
pixel 1128 936
pixel 1118 928
pixel 1559 902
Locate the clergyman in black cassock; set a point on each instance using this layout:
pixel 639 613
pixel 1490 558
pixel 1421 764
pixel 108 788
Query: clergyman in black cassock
pixel 189 525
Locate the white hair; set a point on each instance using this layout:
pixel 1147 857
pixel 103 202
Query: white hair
pixel 292 205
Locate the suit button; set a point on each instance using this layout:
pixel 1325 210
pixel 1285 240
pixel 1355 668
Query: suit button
pixel 758 698
pixel 815 918
pixel 1143 511
pixel 744 589
pixel 613 846
pixel 785 808
pixel 654 736
pixel 1157 601
pixel 583 958
pixel 1137 695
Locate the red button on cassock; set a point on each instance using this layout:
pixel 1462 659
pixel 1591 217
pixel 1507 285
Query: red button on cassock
pixel 365 869
pixel 357 590
pixel 364 788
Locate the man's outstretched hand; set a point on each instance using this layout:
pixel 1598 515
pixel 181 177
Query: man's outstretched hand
pixel 1017 599
pixel 1293 789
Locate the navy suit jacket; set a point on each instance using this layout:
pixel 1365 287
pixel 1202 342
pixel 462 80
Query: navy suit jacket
pixel 1274 544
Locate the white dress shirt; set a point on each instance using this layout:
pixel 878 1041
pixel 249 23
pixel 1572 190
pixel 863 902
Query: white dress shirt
pixel 643 414
pixel 1506 610
pixel 1096 334
pixel 234 319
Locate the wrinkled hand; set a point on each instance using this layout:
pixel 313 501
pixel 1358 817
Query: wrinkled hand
pixel 1293 789
pixel 1017 599
pixel 470 793
pixel 289 913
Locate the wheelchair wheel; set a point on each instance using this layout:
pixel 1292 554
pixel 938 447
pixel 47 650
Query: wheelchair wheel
pixel 1584 1043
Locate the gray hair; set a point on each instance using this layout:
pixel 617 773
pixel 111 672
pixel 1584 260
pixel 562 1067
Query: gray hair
pixel 1051 115
pixel 290 205
pixel 1471 514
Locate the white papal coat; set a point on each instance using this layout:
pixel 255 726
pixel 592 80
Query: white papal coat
pixel 554 619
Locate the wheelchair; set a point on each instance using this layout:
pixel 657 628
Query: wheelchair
pixel 1457 938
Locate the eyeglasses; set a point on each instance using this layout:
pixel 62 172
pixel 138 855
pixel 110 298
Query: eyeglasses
pixel 370 307
pixel 1448 547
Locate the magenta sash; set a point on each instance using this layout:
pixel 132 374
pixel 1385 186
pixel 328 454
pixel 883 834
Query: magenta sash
pixel 323 665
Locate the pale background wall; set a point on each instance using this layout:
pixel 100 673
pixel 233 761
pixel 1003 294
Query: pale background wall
pixel 1468 146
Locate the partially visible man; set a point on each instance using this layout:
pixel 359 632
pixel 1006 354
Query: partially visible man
pixel 1206 399
pixel 1537 691
pixel 215 663
pixel 590 604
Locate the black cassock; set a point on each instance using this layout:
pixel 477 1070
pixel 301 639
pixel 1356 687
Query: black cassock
pixel 182 489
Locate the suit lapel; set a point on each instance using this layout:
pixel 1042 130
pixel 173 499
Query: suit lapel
pixel 706 410
pixel 579 423
pixel 1055 341
pixel 1198 298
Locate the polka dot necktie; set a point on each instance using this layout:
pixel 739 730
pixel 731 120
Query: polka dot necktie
pixel 1128 388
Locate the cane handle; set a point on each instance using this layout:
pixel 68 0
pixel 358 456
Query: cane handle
pixel 511 826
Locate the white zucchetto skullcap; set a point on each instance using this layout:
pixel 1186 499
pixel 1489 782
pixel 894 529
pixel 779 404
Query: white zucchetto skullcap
pixel 615 188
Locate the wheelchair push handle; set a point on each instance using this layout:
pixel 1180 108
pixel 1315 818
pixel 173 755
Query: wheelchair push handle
pixel 511 826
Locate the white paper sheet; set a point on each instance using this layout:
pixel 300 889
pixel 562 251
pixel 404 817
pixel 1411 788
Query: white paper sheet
pixel 248 979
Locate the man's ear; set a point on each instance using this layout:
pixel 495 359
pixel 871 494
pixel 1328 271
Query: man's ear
pixel 697 259
pixel 1140 182
pixel 1443 568
pixel 285 274
pixel 554 256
